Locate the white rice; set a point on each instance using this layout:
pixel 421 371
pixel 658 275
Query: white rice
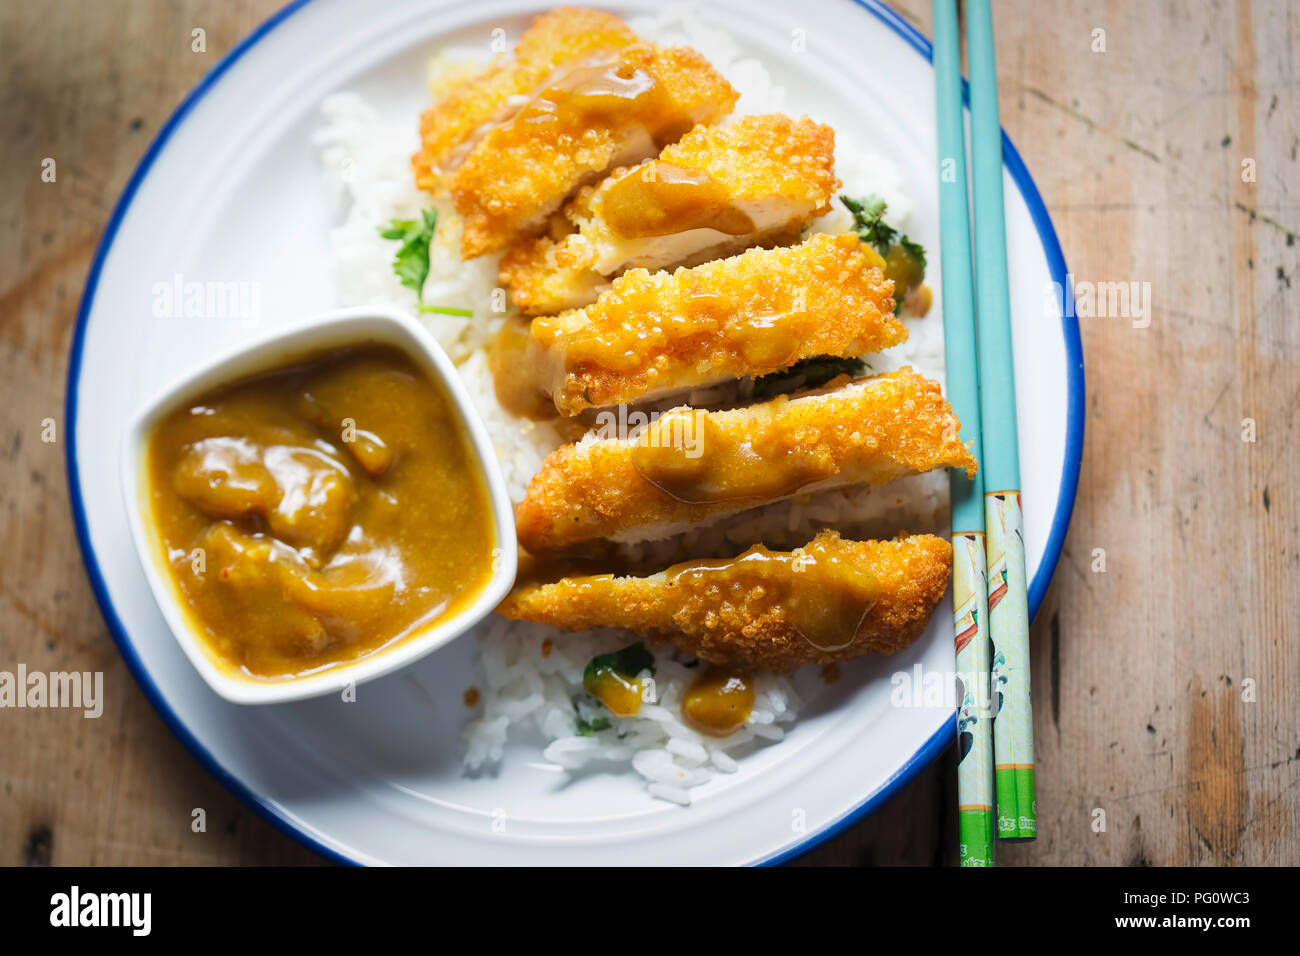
pixel 529 673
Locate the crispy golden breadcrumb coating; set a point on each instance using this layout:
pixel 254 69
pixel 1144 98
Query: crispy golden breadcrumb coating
pixel 454 125
pixel 756 157
pixel 539 285
pixel 720 190
pixel 759 312
pixel 869 431
pixel 591 119
pixel 754 611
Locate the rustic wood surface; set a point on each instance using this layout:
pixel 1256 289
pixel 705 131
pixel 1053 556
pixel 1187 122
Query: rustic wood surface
pixel 1165 686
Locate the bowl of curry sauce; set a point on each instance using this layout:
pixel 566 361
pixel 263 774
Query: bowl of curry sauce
pixel 319 508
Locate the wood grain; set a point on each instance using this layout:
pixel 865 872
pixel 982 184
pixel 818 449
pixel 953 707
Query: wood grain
pixel 1142 672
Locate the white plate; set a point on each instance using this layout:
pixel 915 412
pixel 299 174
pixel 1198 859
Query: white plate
pixel 231 190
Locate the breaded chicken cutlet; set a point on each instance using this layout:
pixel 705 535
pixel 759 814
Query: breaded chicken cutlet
pixel 832 600
pixel 618 110
pixel 657 333
pixel 691 467
pixel 453 126
pixel 720 190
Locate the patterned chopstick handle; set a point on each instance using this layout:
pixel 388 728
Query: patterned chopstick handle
pixel 1013 735
pixel 974 713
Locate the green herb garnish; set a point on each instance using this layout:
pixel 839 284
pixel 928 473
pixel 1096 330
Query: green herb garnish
pixel 808 373
pixel 869 223
pixel 629 662
pixel 613 679
pixel 904 259
pixel 447 310
pixel 913 249
pixel 411 263
pixel 590 729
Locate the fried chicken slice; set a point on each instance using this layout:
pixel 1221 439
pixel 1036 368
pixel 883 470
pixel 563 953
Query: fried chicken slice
pixel 592 118
pixel 539 285
pixel 691 467
pixel 452 127
pixel 654 334
pixel 720 190
pixel 831 600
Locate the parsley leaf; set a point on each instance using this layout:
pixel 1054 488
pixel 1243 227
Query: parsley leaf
pixel 869 223
pixel 904 259
pixel 913 249
pixel 590 729
pixel 629 662
pixel 411 263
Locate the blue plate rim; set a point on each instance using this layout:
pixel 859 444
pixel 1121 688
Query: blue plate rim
pixel 938 742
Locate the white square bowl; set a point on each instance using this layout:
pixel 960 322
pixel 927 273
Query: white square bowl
pixel 280 347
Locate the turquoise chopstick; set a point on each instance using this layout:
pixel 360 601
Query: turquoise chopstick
pixel 998 397
pixel 1013 733
pixel 976 834
pixel 961 371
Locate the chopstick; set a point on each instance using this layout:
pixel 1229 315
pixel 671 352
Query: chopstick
pixel 969 583
pixel 1013 732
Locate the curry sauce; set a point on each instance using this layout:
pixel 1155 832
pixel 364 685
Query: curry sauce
pixel 693 458
pixel 662 199
pixel 718 702
pixel 311 515
pixel 824 594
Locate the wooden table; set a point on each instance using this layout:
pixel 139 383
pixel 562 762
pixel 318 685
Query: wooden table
pixel 1140 670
